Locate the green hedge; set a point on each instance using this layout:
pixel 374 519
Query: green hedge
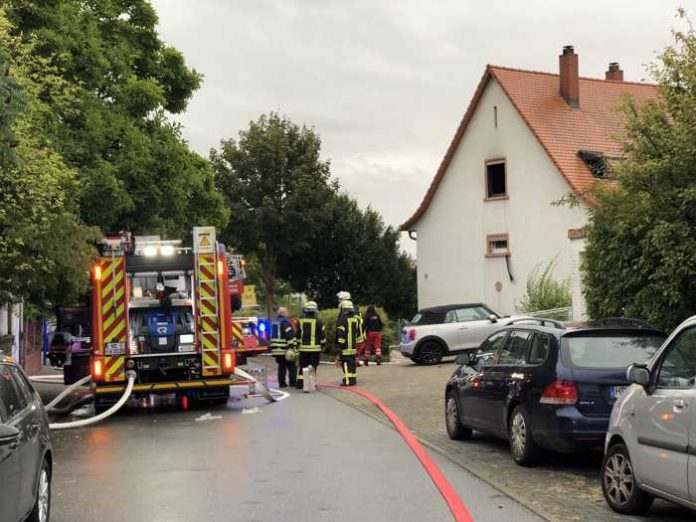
pixel 329 317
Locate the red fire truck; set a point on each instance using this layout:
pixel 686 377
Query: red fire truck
pixel 164 312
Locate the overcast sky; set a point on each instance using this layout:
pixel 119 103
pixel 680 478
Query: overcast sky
pixel 385 83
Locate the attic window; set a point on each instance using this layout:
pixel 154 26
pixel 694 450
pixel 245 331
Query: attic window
pixel 496 180
pixel 596 162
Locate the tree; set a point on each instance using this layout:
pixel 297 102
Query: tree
pixel 134 171
pixel 277 187
pixel 639 257
pixel 544 292
pixel 44 248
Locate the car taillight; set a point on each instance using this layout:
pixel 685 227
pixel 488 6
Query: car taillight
pixel 560 392
pixel 412 334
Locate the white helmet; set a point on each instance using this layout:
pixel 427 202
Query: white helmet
pixel 346 305
pixel 290 355
pixel 343 296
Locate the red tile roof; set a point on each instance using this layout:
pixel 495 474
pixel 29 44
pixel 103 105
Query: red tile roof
pixel 561 131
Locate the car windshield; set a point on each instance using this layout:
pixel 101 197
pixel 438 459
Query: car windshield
pixel 605 350
pixel 428 317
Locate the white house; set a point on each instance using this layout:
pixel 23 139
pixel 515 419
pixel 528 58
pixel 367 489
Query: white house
pixel 527 140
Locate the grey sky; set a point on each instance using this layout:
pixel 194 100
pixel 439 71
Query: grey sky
pixel 385 83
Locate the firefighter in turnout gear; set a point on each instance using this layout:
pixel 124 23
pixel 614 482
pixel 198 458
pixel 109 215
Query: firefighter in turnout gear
pixel 311 338
pixel 347 334
pixel 282 342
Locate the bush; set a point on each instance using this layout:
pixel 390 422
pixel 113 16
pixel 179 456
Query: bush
pixel 544 292
pixel 329 317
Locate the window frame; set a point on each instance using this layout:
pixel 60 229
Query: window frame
pixel 529 349
pixel 664 355
pixel 521 357
pixel 490 238
pixel 24 402
pixel 497 197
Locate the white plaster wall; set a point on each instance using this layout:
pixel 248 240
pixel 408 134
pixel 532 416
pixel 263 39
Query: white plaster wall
pixel 452 266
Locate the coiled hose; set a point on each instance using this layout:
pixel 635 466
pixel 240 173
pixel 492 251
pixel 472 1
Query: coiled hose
pixel 92 420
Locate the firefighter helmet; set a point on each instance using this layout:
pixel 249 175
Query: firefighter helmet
pixel 347 304
pixel 343 296
pixel 311 306
pixel 290 355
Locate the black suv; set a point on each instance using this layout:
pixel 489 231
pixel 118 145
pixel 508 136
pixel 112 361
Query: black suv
pixel 545 387
pixel 26 457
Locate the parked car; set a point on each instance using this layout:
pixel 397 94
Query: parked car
pixel 650 446
pixel 545 387
pixel 448 330
pixel 26 458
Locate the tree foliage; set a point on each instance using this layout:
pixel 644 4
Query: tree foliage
pixel 287 214
pixel 134 170
pixel 543 292
pixel 44 248
pixel 639 258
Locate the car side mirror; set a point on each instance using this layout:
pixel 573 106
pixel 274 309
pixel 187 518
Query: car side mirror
pixel 492 318
pixel 8 435
pixel 638 375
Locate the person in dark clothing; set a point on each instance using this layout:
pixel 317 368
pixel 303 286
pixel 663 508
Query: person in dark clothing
pixel 373 327
pixel 282 341
pixel 347 334
pixel 311 339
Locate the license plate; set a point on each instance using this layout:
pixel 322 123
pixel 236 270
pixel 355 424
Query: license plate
pixel 115 349
pixel 162 341
pixel 616 391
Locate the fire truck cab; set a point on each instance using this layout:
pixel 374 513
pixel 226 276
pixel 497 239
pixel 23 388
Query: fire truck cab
pixel 162 311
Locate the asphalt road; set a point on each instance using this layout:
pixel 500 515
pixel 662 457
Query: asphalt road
pixel 306 458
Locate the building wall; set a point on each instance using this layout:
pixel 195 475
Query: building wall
pixel 451 247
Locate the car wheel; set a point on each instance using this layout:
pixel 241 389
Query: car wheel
pixel 524 448
pixel 430 352
pixel 42 506
pixel 455 430
pixel 619 484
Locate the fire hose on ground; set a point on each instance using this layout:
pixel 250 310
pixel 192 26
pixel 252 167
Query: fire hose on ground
pixel 51 406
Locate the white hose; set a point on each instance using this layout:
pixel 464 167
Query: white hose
pixel 101 416
pixel 48 379
pixel 68 390
pixel 264 391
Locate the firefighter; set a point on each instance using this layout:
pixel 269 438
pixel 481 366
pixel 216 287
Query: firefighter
pixel 282 343
pixel 345 296
pixel 347 333
pixel 373 328
pixel 311 338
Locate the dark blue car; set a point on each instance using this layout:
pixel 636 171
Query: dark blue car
pixel 543 387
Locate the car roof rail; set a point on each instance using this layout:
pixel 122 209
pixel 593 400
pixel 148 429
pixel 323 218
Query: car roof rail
pixel 539 321
pixel 623 321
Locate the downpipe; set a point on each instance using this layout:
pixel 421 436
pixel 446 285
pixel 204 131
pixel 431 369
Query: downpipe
pixel 97 418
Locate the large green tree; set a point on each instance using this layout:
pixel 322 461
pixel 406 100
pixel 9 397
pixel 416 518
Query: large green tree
pixel 134 170
pixel 289 217
pixel 277 187
pixel 639 258
pixel 44 247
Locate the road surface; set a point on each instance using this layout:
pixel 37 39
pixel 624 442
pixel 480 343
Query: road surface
pixel 306 458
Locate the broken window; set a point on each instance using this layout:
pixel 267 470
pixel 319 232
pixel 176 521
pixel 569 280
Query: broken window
pixel 496 180
pixel 596 162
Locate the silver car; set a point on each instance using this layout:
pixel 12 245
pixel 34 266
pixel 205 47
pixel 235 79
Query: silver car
pixel 651 443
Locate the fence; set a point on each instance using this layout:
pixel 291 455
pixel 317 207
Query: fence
pixel 559 314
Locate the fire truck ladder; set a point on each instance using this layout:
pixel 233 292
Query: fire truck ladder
pixel 208 313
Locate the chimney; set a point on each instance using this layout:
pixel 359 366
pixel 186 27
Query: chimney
pixel 614 72
pixel 570 83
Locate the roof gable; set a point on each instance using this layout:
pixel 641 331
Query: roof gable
pixel 561 130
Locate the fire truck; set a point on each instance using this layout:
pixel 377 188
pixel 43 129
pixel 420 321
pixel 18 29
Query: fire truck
pixel 162 311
